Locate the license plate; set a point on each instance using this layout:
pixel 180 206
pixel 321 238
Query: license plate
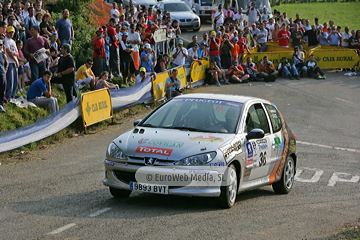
pixel 150 188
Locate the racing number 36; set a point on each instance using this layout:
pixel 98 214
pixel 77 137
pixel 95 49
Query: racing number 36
pixel 262 161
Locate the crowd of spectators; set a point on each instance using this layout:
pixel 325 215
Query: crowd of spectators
pixel 124 48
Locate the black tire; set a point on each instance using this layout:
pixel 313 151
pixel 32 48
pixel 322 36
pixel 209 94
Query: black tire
pixel 228 194
pixel 286 182
pixel 119 193
pixel 196 29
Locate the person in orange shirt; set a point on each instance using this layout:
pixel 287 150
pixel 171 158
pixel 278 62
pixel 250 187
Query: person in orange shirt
pixel 235 50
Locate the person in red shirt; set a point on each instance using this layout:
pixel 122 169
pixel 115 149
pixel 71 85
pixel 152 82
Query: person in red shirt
pixel 237 74
pixel 99 56
pixel 150 30
pixel 283 36
pixel 151 16
pixel 114 48
pixel 214 44
pixel 243 44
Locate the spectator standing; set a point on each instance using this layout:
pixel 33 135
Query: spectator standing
pixel 114 12
pixel 66 72
pixel 226 47
pixel 33 44
pixel 38 7
pixel 64 28
pixel 134 39
pixel 192 56
pixel 40 93
pixel 46 27
pixel 21 69
pixel 53 41
pixel 271 27
pixel 3 67
pixel 25 11
pixel 214 52
pixel 30 21
pixel 322 36
pixel 179 55
pixel 194 42
pixel 275 32
pixel 202 51
pixel 126 60
pixel 172 85
pixel 345 37
pixel 312 36
pixel 283 36
pixel 334 37
pixel 297 36
pixel 21 19
pixel 12 22
pixel 354 41
pixel 85 76
pixel 114 48
pixel 13 63
pixel 239 16
pixel 262 37
pixel 265 15
pixel 148 58
pixel 218 18
pixel 253 14
pixel 228 14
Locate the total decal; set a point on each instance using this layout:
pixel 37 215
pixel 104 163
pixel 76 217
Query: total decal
pixel 258 152
pixel 154 150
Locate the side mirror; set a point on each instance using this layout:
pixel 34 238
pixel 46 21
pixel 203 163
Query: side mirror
pixel 136 122
pixel 255 134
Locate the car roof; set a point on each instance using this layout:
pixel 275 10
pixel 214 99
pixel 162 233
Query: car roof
pixel 225 97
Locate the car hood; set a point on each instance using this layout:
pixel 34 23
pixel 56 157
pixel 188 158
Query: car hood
pixel 183 15
pixel 169 143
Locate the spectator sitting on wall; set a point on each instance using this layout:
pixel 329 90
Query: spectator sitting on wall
pixel 40 93
pixel 143 75
pixel 85 76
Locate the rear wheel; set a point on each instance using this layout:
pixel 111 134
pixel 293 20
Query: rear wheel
pixel 286 182
pixel 119 193
pixel 228 194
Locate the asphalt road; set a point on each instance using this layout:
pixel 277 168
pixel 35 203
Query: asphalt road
pixel 57 192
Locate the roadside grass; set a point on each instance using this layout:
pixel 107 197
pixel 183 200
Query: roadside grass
pixel 342 13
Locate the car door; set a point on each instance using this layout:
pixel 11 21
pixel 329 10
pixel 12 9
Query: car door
pixel 277 141
pixel 258 151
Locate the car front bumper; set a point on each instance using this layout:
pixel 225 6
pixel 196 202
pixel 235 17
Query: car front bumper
pixel 119 175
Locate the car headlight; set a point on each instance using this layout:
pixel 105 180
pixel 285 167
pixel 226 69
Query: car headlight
pixel 197 160
pixel 115 152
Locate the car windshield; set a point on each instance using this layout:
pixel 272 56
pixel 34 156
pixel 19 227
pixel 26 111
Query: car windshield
pixel 195 114
pixel 177 7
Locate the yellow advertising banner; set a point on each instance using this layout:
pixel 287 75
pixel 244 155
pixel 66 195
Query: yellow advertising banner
pixel 197 71
pixel 182 76
pixel 334 57
pixel 158 85
pixel 274 57
pixel 96 106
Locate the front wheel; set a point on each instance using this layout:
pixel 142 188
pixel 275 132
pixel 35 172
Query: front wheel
pixel 228 194
pixel 286 182
pixel 119 193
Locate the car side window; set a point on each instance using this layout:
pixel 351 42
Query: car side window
pixel 256 118
pixel 274 116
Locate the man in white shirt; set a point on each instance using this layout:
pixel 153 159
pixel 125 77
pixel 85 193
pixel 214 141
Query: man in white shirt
pixel 265 15
pixel 179 54
pixel 239 16
pixel 11 54
pixel 219 17
pixel 192 56
pixel 345 37
pixel 114 13
pixel 253 14
pixel 134 39
pixel 271 26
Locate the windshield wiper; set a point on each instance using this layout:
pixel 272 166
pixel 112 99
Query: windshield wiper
pixel 189 129
pixel 148 125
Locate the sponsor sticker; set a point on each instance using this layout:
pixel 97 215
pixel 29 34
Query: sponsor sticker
pixel 154 150
pixel 261 141
pixel 161 142
pixel 206 138
pixel 217 164
pixel 249 149
pixel 249 162
pixel 277 142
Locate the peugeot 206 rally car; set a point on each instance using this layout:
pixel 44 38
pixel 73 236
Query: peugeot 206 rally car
pixel 204 145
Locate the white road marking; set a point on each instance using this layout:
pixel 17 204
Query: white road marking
pixel 336 177
pixel 344 100
pixel 315 178
pixel 95 214
pixel 59 230
pixel 330 147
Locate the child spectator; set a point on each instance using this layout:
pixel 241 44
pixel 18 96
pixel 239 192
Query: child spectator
pixel 102 83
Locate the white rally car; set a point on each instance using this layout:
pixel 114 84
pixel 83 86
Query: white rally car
pixel 204 145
